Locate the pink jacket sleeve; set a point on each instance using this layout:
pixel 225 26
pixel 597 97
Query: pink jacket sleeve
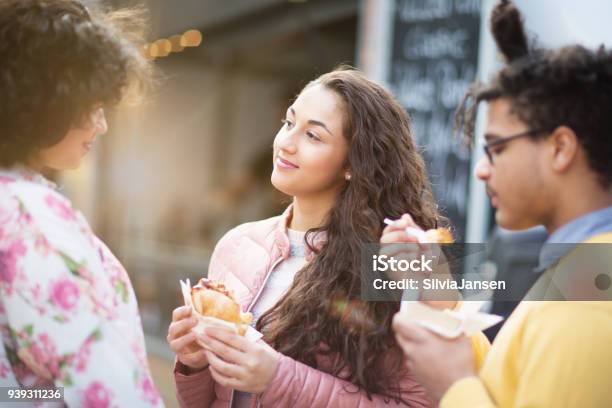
pixel 298 385
pixel 193 390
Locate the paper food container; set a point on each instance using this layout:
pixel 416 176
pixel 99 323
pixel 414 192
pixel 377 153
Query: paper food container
pixel 205 321
pixel 450 323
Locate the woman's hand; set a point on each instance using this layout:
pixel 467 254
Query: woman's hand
pixel 238 363
pixel 183 341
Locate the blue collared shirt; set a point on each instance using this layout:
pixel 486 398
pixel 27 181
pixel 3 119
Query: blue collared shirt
pixel 572 233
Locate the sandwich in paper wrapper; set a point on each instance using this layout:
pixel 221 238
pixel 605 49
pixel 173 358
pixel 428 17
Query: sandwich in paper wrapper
pixel 214 305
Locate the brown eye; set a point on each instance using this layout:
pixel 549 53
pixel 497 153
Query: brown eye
pixel 312 136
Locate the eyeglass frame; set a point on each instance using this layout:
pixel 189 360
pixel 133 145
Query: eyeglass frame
pixel 503 140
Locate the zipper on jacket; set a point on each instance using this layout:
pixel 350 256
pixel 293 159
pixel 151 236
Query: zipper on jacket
pixel 263 285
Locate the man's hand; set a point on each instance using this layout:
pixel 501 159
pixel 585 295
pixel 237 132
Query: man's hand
pixel 436 362
pixel 396 242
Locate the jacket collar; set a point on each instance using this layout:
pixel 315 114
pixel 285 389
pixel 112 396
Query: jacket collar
pixel 281 237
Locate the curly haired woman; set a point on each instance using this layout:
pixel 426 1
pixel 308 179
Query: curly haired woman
pixel 346 155
pixel 68 314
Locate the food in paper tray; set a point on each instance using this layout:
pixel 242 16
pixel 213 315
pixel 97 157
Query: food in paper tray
pixel 450 323
pixel 212 299
pixel 215 305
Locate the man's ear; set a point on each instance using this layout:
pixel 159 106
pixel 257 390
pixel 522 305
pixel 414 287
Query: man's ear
pixel 564 148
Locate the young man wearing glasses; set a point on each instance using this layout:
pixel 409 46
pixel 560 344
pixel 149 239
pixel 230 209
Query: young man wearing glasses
pixel 548 162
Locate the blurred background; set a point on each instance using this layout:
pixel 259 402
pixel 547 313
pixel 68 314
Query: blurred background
pixel 173 175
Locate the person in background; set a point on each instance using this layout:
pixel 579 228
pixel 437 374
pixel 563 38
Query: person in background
pixel 548 162
pixel 346 154
pixel 68 313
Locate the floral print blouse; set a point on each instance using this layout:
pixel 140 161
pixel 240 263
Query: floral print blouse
pixel 68 313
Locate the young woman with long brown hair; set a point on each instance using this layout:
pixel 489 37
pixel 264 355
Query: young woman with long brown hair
pixel 346 155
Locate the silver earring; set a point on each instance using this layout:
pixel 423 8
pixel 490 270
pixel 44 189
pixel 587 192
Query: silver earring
pixel 347 176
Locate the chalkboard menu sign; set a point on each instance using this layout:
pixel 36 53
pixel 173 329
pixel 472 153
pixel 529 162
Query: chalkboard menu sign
pixel 434 59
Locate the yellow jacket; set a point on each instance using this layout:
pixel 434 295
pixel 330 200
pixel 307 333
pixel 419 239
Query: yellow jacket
pixel 548 354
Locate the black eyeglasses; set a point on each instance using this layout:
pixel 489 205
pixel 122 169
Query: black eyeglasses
pixel 503 140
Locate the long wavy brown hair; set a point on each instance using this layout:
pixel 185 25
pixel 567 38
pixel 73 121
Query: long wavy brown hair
pixel 388 179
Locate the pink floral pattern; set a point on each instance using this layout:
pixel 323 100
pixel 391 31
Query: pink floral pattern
pixel 65 294
pixel 60 207
pixel 149 391
pixel 4 369
pixel 40 354
pixel 8 261
pixel 68 313
pixel 97 396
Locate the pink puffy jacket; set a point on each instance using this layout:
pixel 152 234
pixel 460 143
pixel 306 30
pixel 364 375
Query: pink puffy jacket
pixel 243 259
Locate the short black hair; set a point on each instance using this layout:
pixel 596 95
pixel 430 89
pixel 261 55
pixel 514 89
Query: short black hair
pixel 58 61
pixel 569 86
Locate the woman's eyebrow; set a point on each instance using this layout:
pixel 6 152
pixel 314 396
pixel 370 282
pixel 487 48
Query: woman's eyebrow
pixel 313 122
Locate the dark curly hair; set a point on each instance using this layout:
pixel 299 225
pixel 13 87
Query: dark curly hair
pixel 570 86
pixel 323 305
pixel 58 61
